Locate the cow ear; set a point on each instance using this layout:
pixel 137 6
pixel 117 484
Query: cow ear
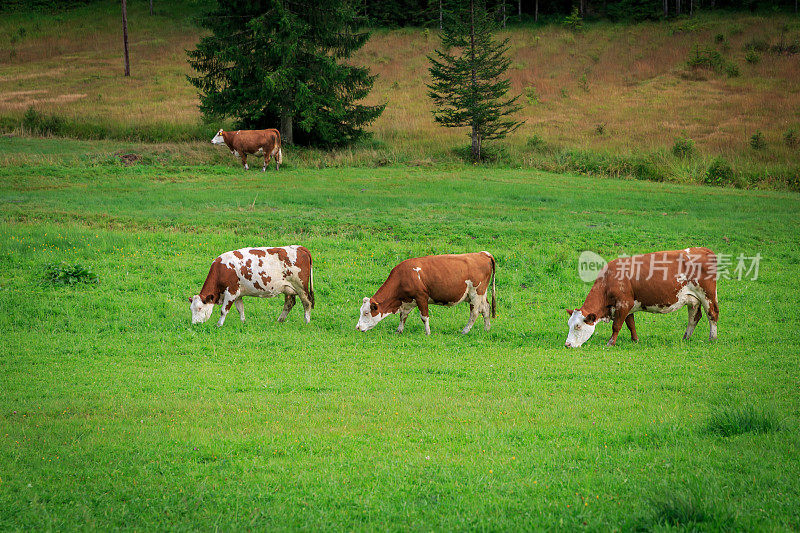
pixel 191 300
pixel 209 299
pixel 366 299
pixel 590 318
pixel 373 306
pixel 569 311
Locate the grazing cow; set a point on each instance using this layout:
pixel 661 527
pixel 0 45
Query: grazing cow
pixel 438 279
pixel 243 142
pixel 659 282
pixel 262 272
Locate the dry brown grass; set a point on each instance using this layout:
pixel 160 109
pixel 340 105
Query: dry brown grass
pixel 631 79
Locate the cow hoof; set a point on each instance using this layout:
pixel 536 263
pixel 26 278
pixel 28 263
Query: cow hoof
pixel 281 319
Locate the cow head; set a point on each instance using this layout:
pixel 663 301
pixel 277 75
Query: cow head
pixel 201 311
pixel 218 139
pixel 581 327
pixel 369 316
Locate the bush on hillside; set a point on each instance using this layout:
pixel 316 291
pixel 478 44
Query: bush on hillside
pixel 683 147
pixel 757 141
pixel 720 173
pixel 790 138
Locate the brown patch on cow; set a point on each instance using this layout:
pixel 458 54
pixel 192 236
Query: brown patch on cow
pixel 257 285
pixel 282 255
pixel 220 277
pixel 246 273
pixel 303 263
pixel 258 253
pixel 266 279
pixel 238 254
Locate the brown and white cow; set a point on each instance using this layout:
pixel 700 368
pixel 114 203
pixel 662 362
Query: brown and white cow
pixel 262 272
pixel 437 279
pixel 243 142
pixel 659 282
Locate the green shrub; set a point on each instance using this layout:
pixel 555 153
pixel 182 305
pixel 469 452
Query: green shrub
pixel 600 129
pixel 68 274
pixel 719 38
pixel 720 173
pixel 790 138
pixel 731 70
pixel 758 44
pixel 683 147
pixel 792 179
pixel 751 56
pixel 757 141
pixel 536 142
pixel 730 421
pixel 530 95
pixel 40 124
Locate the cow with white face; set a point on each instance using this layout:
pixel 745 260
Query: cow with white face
pixel 258 142
pixel 659 282
pixel 437 279
pixel 261 272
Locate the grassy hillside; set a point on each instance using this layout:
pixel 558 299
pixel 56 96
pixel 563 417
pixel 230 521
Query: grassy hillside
pixel 117 413
pixel 611 100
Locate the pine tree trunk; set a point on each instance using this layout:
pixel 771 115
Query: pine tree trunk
pixel 504 14
pixel 536 13
pixel 691 7
pixel 440 14
pixel 287 133
pixel 125 36
pixel 519 9
pixel 476 153
pixel 151 8
pixel 666 8
pixel 677 7
pixel 583 8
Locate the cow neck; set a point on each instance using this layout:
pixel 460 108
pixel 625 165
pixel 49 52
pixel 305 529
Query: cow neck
pixel 211 285
pixel 227 136
pixel 596 301
pixel 386 300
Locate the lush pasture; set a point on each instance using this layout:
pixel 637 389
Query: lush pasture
pixel 115 412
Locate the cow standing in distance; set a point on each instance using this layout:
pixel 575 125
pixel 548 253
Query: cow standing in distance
pixel 262 272
pixel 437 279
pixel 659 282
pixel 243 142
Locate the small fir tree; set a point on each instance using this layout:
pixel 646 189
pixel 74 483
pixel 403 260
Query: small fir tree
pixel 468 87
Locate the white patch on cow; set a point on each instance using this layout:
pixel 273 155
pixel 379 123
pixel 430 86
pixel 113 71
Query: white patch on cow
pixel 688 250
pixel 201 312
pixel 218 139
pixel 579 330
pixel 417 270
pixel 688 294
pixel 235 153
pixel 365 320
pixel 291 251
pixel 246 166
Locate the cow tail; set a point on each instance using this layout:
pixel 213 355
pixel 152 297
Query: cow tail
pixel 280 150
pixel 494 292
pixel 311 283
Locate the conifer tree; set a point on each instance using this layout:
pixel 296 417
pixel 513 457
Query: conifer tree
pixel 468 87
pixel 282 62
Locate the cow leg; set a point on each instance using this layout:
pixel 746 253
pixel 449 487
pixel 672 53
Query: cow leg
pixel 287 306
pixel 240 307
pixel 227 303
pixel 422 303
pixel 404 311
pixel 620 318
pixel 631 326
pixel 306 305
pixel 712 310
pixel 694 317
pixel 473 316
pixel 266 161
pixel 244 161
pixel 486 311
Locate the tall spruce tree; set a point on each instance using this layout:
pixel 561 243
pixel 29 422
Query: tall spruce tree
pixel 468 88
pixel 270 62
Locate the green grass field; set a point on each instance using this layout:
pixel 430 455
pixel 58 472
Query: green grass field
pixel 117 413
